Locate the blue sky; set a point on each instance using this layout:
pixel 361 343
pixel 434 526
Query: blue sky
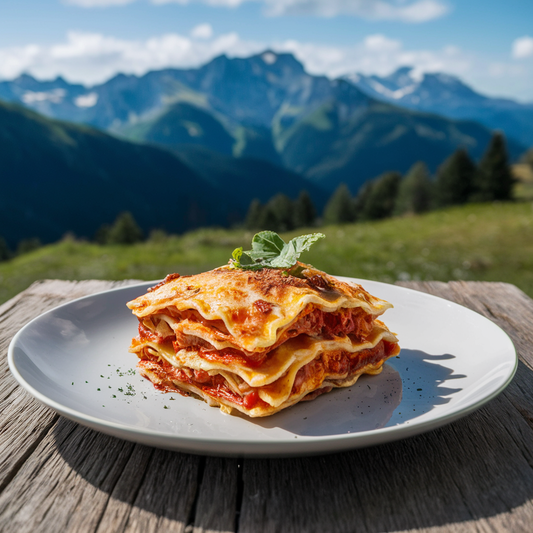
pixel 489 44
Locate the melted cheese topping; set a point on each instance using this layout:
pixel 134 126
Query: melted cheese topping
pixel 253 306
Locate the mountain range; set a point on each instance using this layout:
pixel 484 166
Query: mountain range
pixel 187 147
pixel 448 96
pixel 268 107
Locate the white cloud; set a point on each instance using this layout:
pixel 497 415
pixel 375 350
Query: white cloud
pixel 97 3
pixel 405 11
pixel 214 3
pixel 380 43
pixel 91 58
pixel 55 96
pixel 225 3
pixel 523 47
pixel 377 54
pixel 202 31
pixel 413 11
pixel 86 100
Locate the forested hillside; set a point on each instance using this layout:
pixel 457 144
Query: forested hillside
pixel 59 177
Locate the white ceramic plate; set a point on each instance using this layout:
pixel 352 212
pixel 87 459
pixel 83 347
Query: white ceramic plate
pixel 75 360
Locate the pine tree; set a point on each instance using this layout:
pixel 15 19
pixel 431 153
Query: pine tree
pixel 493 179
pixel 382 196
pixel 304 211
pixel 124 230
pixel 415 191
pixel 455 179
pixel 360 201
pixel 282 208
pixel 339 209
pixel 254 215
pixel 268 220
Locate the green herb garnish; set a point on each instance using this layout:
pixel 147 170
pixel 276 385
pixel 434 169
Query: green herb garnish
pixel 269 250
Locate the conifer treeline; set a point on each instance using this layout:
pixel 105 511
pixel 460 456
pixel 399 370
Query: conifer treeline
pixel 457 181
pixel 281 213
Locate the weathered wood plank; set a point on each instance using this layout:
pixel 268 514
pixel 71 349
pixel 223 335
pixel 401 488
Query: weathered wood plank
pixel 166 498
pixel 118 507
pixel 64 484
pixel 217 497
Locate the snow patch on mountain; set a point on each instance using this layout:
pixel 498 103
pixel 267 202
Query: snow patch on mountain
pixel 55 96
pixel 86 100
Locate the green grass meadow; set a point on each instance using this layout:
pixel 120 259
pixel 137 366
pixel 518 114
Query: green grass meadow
pixel 488 242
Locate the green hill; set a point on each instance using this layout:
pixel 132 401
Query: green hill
pixel 330 147
pixel 183 124
pixel 58 177
pixel 473 242
pixel 247 175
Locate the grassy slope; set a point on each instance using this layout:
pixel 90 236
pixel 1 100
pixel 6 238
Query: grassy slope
pixel 329 148
pixel 475 242
pixel 523 173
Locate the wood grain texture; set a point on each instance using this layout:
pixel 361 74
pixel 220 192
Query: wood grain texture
pixel 473 475
pixel 218 496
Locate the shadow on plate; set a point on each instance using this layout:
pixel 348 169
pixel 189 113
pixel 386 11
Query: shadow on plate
pixel 409 386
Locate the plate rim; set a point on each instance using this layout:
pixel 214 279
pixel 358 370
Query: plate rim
pixel 276 447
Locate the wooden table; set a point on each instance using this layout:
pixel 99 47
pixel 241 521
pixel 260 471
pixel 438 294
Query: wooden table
pixel 473 475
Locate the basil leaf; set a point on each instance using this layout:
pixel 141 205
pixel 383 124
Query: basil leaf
pixel 237 253
pixel 269 250
pixel 242 259
pixel 266 245
pixel 304 242
pixel 287 257
pixel 246 260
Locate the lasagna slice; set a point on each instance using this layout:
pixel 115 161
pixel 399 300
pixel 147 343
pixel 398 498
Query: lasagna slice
pixel 259 341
